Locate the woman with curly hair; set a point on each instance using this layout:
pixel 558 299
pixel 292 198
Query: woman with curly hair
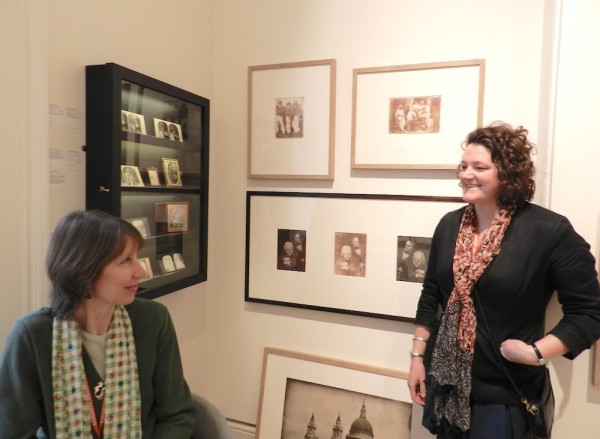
pixel 493 267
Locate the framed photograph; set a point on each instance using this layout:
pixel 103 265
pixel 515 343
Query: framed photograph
pixel 303 394
pixel 178 261
pixel 161 128
pixel 145 262
pixel 412 258
pixel 167 264
pixel 133 122
pixel 335 224
pixel 153 176
pixel 415 116
pixel 175 132
pixel 130 176
pixel 142 225
pixel 291 120
pixel 172 172
pixel 172 217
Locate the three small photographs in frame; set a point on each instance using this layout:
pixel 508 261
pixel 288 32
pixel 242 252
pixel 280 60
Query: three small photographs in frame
pixel 172 172
pixel 164 129
pixel 133 122
pixel 130 176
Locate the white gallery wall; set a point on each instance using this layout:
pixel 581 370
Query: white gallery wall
pixel 541 57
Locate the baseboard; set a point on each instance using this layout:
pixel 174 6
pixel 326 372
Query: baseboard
pixel 241 430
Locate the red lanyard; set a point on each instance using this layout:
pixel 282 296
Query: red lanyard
pixel 96 426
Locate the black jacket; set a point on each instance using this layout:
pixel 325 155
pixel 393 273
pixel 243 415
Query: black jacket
pixel 541 253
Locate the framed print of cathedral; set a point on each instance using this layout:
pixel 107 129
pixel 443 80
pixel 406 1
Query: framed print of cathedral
pixel 310 396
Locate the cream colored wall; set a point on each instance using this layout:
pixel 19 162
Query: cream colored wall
pixel 170 41
pixel 23 119
pixel 206 49
pixel 575 190
pixel 13 119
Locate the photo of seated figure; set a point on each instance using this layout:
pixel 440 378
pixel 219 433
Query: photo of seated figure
pixel 412 257
pixel 351 254
pixel 291 250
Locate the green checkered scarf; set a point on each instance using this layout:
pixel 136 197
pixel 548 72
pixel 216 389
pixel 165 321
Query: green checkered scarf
pixel 122 404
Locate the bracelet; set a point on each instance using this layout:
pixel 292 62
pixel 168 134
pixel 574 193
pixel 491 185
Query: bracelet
pixel 416 337
pixel 540 358
pixel 414 354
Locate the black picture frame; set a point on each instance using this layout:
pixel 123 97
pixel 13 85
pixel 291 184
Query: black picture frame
pixel 376 292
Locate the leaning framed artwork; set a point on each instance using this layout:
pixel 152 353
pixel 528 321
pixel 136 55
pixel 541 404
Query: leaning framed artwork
pixel 415 116
pixel 291 120
pixel 303 394
pixel 328 252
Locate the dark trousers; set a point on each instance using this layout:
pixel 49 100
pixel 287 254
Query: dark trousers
pixel 496 421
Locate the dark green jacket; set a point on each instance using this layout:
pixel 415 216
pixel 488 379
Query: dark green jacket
pixel 26 376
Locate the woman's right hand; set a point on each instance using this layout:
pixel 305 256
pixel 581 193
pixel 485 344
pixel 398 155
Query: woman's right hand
pixel 416 380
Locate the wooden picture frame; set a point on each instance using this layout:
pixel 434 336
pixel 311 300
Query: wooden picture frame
pixel 302 145
pixel 172 172
pixel 153 176
pixel 328 222
pixel 444 102
pixel 303 393
pixel 172 217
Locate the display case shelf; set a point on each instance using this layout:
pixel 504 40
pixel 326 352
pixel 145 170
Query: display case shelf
pixel 147 146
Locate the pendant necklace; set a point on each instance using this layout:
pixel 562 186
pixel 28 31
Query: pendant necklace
pixel 97 424
pixel 99 390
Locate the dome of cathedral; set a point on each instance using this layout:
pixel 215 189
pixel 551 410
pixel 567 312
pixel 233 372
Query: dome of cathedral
pixel 361 428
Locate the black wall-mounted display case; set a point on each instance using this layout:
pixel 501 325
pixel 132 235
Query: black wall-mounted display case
pixel 147 145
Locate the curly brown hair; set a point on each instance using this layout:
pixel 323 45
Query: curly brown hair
pixel 511 153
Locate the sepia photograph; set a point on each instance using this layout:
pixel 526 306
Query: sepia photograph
pixel 145 262
pixel 133 122
pixel 161 128
pixel 412 258
pixel 413 115
pixel 130 176
pixel 311 396
pixel 291 250
pixel 350 254
pixel 289 117
pixel 314 410
pixel 167 264
pixel 141 224
pixel 178 261
pixel 175 132
pixel 172 217
pixel 153 176
pixel 172 172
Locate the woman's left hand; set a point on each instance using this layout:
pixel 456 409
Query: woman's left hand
pixel 519 352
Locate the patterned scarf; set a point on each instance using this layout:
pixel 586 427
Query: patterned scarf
pixel 122 403
pixel 452 358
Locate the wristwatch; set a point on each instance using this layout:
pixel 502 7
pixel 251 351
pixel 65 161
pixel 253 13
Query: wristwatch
pixel 540 358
